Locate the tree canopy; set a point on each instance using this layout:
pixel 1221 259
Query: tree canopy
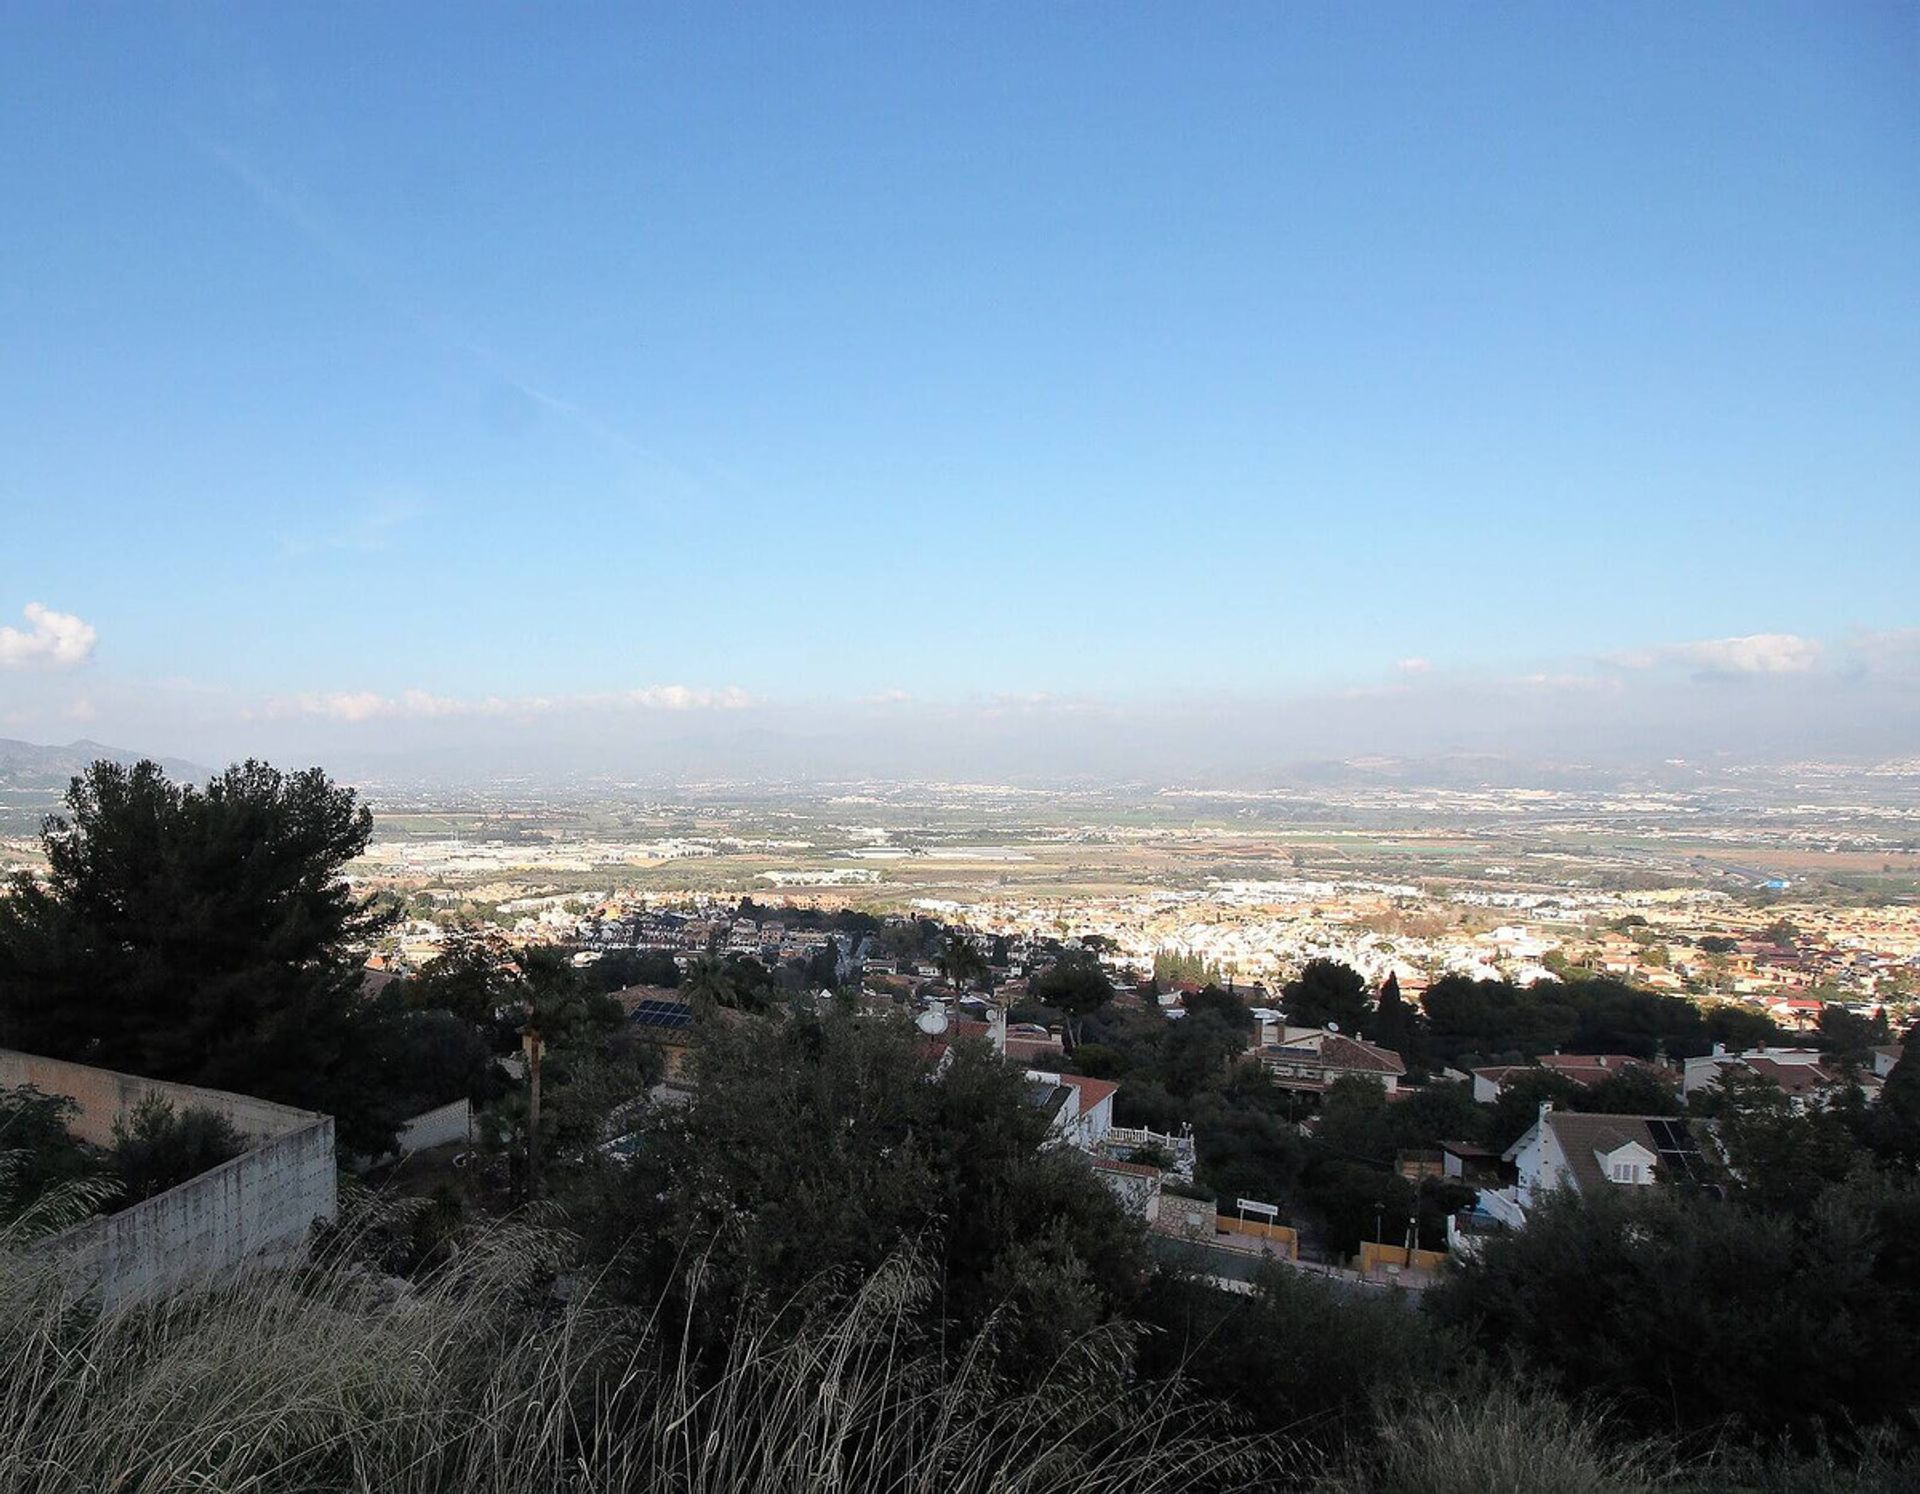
pixel 205 935
pixel 816 1147
pixel 1481 1019
pixel 1694 1314
pixel 1324 992
pixel 1076 984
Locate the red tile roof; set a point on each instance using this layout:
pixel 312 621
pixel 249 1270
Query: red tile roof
pixel 1131 1169
pixel 1793 1078
pixel 1092 1091
pixel 1589 1068
pixel 1342 1052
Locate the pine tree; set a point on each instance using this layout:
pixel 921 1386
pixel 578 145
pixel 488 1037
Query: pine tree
pixel 1391 1024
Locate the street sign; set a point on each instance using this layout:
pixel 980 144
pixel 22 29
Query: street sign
pixel 1254 1206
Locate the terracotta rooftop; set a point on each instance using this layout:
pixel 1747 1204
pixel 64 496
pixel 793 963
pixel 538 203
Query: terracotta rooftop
pixel 1092 1091
pixel 1591 1068
pixel 1793 1078
pixel 1342 1052
pixel 1131 1169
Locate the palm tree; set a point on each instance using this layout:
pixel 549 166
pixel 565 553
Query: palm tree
pixel 961 962
pixel 707 984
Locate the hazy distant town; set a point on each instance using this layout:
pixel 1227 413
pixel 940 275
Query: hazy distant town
pixel 1784 891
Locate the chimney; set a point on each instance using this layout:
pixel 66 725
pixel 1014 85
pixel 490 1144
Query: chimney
pixel 1546 1109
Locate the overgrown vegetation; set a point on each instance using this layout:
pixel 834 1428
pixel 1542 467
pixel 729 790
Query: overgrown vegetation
pixel 474 1378
pixel 157 1148
pixel 854 1260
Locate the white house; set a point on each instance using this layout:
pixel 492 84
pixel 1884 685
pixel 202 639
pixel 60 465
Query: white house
pixel 1081 1109
pixel 1804 1075
pixel 1587 1153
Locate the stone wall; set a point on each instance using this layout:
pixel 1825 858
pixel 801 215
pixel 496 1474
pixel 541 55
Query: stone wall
pixel 1197 1219
pixel 255 1209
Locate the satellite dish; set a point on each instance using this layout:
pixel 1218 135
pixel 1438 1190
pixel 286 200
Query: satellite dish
pixel 1333 1027
pixel 933 1023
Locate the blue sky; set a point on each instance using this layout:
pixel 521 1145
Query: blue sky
pixel 718 360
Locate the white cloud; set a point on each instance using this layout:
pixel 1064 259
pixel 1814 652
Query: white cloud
pixel 1415 666
pixel 1579 682
pixel 421 705
pixel 1371 692
pixel 1753 654
pixel 58 640
pixel 681 698
pixel 341 705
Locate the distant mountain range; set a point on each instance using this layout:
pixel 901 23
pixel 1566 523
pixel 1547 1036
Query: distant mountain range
pixel 31 767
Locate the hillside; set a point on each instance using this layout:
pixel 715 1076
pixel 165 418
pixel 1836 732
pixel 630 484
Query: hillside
pixel 29 766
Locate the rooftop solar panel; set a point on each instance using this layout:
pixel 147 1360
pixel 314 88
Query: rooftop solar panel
pixel 1679 1152
pixel 662 1015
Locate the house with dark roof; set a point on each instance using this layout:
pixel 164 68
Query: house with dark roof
pixel 1590 1153
pixel 1308 1060
pixel 656 1015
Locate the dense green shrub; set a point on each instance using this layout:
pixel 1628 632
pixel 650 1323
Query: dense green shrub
pixel 157 1148
pixel 1704 1316
pixel 1301 1356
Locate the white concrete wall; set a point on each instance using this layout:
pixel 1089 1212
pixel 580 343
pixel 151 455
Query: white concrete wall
pixel 103 1096
pixel 449 1123
pixel 255 1209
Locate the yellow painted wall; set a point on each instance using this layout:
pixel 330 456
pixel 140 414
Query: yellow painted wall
pixel 1284 1239
pixel 1375 1257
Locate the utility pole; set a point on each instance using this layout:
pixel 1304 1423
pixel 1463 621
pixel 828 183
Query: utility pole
pixel 530 1044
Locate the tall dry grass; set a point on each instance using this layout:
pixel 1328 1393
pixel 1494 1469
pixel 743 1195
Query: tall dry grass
pixel 1504 1439
pixel 477 1379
